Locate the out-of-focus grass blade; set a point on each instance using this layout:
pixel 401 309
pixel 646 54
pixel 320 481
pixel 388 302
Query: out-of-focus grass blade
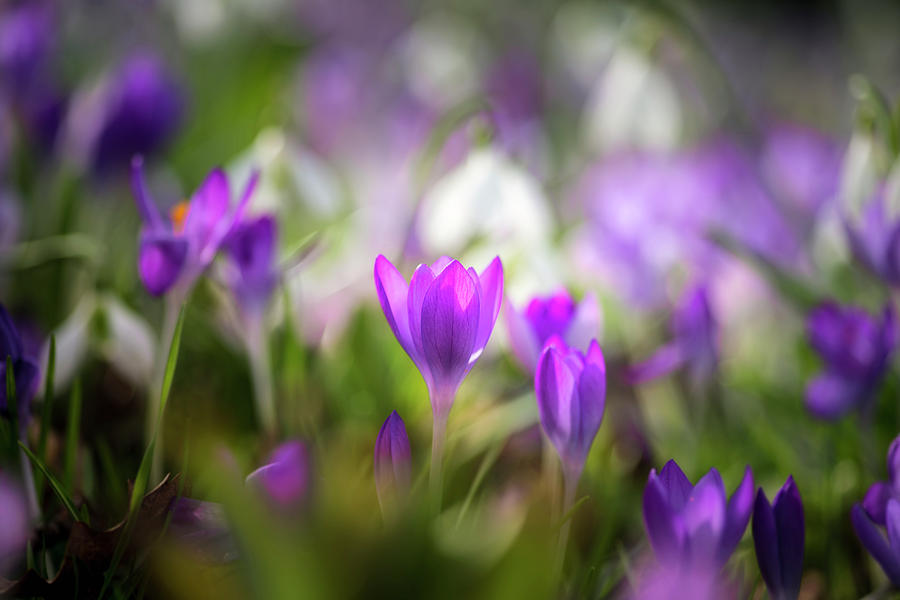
pixel 55 485
pixel 487 462
pixel 12 403
pixel 72 433
pixel 110 473
pixel 46 411
pixel 143 474
pixel 35 253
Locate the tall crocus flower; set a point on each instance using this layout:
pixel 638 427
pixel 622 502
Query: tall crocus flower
pixel 694 342
pixel 694 525
pixel 284 480
pixel 174 251
pixel 544 317
pixel 778 536
pixel 442 318
pixel 856 348
pixel 26 372
pixel 876 499
pixel 392 461
pixel 252 275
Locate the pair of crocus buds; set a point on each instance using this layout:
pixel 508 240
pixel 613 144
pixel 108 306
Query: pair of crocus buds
pixel 881 507
pixel 174 251
pixel 856 349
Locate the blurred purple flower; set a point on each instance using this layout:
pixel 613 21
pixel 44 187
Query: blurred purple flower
pixel 26 371
pixel 252 248
pixel 885 551
pixel 10 219
pixel 546 316
pixel 571 395
pixel 392 461
pixel 27 37
pixel 856 349
pixel 360 23
pixel 514 90
pixel 665 582
pixel 136 110
pixel 694 525
pixel 15 530
pixel 778 536
pixel 876 498
pixel 284 481
pixel 175 251
pixel 694 344
pixel 202 526
pixel 801 167
pixel 875 239
pixel 442 318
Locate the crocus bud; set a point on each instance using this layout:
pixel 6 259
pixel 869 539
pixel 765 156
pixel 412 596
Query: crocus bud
pixel 571 396
pixel 284 481
pixel 442 318
pixel 544 317
pixel 176 250
pixel 252 249
pixel 778 536
pixel 26 372
pixel 694 525
pixel 391 461
pixel 856 348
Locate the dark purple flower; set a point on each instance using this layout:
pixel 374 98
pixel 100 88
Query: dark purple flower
pixel 875 239
pixel 252 248
pixel 392 461
pixel 546 316
pixel 694 344
pixel 855 348
pixel 778 536
pixel 442 318
pixel 876 499
pixel 135 112
pixel 27 36
pixel 571 395
pixel 15 530
pixel 694 525
pixel 176 250
pixel 25 369
pixel 885 551
pixel 284 481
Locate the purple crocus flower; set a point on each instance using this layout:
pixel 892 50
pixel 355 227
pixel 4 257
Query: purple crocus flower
pixel 778 536
pixel 856 349
pixel 26 40
pixel 284 481
pixel 25 369
pixel 546 316
pixel 175 251
pixel 571 395
pixel 876 499
pixel 694 344
pixel 252 248
pixel 694 525
pixel 875 239
pixel 442 318
pixel 392 461
pixel 135 111
pixel 14 533
pixel 664 582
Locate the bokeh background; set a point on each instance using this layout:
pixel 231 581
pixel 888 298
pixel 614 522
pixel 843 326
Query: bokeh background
pixel 625 151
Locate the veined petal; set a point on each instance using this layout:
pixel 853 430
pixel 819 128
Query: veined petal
pixel 875 543
pixel 765 542
pixel 554 385
pixel 491 283
pixel 450 312
pixel 392 293
pixel 440 264
pixel 148 210
pixel 790 525
pixel 676 485
pixel 161 260
pixel 740 506
pixel 418 286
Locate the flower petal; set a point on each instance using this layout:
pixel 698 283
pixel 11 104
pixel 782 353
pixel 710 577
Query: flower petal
pixel 554 386
pixel 789 523
pixel 662 523
pixel 765 542
pixel 590 401
pixel 207 212
pixel 875 543
pixel 830 396
pixel 10 341
pixel 450 313
pixel 705 516
pixel 285 479
pixel 875 501
pixel 666 359
pixel 418 286
pixel 392 293
pixel 676 485
pixel 522 341
pixel 586 323
pixel 149 211
pixel 491 283
pixel 161 260
pixel 740 506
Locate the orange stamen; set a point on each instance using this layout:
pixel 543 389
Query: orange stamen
pixel 178 214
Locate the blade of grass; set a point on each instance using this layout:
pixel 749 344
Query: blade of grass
pixel 46 411
pixel 12 404
pixel 55 485
pixel 143 474
pixel 487 462
pixel 72 435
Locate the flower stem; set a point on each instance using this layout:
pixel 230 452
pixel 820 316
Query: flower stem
pixel 436 477
pixel 570 483
pixel 173 304
pixel 260 371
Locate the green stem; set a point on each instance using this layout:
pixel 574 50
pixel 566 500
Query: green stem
pixel 154 424
pixel 570 484
pixel 260 371
pixel 438 437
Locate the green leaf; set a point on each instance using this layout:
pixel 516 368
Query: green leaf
pixel 55 485
pixel 72 435
pixel 170 364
